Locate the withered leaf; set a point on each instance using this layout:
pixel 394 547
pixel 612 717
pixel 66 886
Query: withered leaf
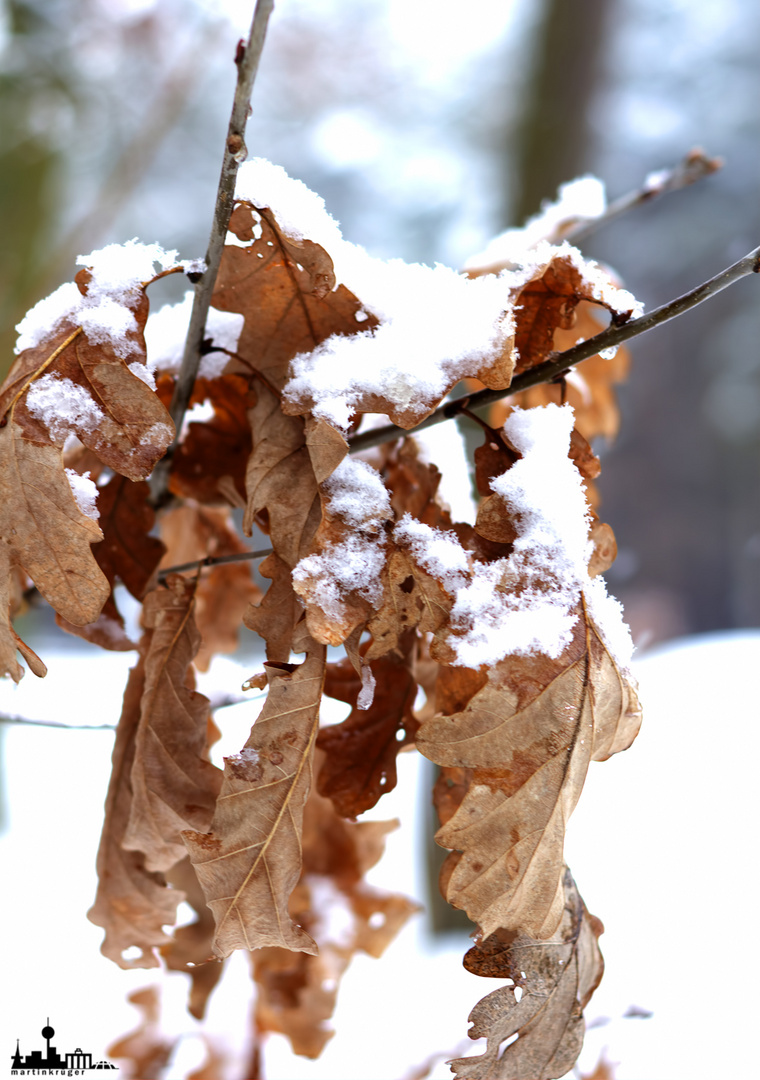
pixel 45 531
pixel 589 388
pixel 220 446
pixel 117 415
pixel 224 592
pixel 546 304
pixel 10 642
pixel 280 481
pixel 275 617
pixel 557 978
pixel 127 553
pixel 132 904
pixel 528 735
pixel 284 293
pixel 360 753
pixel 146 1049
pixel 173 783
pixel 249 861
pixel 190 948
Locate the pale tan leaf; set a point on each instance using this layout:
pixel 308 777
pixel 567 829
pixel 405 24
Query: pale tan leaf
pixel 173 783
pixel 44 529
pixel 10 642
pixel 529 735
pixel 249 861
pixel 132 904
pixel 274 619
pixel 557 977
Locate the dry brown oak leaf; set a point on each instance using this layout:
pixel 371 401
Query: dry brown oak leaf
pixel 190 947
pixel 132 904
pixel 360 753
pixel 43 530
pixel 124 424
pixel 249 861
pixel 285 293
pixel 529 735
pixel 173 783
pixel 557 978
pixel 127 553
pixel 192 533
pixel 589 388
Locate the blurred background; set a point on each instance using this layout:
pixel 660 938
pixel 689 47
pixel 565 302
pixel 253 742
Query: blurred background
pixel 428 127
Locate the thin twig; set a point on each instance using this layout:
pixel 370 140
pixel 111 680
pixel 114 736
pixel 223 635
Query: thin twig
pixel 55 724
pixel 213 560
pixel 247 60
pixel 695 166
pixel 561 362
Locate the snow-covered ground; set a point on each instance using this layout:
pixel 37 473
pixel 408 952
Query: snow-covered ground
pixel 662 845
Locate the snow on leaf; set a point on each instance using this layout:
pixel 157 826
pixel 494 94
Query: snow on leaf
pixel 283 291
pixel 173 784
pixel 75 380
pixel 529 735
pixel 249 861
pixel 557 978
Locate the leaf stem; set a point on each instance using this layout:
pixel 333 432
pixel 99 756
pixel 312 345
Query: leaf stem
pixel 560 362
pixel 247 61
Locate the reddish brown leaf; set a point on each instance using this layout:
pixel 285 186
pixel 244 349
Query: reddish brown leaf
pixel 274 619
pixel 127 553
pixel 360 753
pixel 220 446
pixel 283 497
pixel 224 592
pixel 284 294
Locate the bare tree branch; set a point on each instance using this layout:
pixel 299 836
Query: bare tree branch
pixel 235 152
pixel 558 363
pixel 695 166
pixel 213 560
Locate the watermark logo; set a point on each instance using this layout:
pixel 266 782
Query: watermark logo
pixel 50 1062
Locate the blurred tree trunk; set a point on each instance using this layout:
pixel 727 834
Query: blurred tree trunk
pixel 555 135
